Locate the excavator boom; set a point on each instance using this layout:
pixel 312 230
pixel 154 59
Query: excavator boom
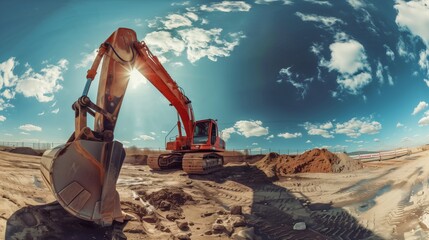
pixel 82 173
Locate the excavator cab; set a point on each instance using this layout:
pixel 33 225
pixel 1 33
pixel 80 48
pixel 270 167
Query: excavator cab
pixel 206 136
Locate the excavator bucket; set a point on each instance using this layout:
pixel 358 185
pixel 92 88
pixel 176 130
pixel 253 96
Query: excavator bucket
pixel 82 176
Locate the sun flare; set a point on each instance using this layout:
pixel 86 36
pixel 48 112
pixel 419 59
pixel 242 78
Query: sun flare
pixel 136 78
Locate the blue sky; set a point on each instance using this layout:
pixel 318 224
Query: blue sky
pixel 277 75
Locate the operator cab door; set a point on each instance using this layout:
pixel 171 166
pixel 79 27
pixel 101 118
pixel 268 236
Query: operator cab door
pixel 213 134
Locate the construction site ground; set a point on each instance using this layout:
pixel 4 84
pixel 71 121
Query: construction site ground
pixel 384 200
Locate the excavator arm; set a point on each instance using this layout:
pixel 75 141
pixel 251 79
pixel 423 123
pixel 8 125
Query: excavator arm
pixel 121 53
pixel 82 173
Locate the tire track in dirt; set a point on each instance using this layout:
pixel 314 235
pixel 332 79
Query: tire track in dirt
pixel 339 225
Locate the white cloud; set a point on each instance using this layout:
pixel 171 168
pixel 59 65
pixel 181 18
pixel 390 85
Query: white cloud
pixel 327 125
pixel 270 137
pixel 177 64
pixel 41 113
pixel 326 21
pixel 318 129
pixel 250 128
pixel 308 141
pixel 326 3
pixel 226 133
pixel 389 52
pixel 254 144
pixel 185 3
pixel 30 128
pixel 354 83
pixel 8 81
pixel 146 137
pixel 349 59
pixel 376 140
pixel 7 77
pixel 153 133
pixel 8 134
pixel 55 111
pixel 424 60
pixel 422 105
pixel 356 127
pixel 192 16
pixel 289 135
pixel 294 80
pixel 227 6
pixel 389 77
pixel 426 81
pixel 4 104
pixel 403 50
pixel 321 132
pixel 53 104
pixel 414 17
pixel 8 94
pixel 87 59
pixel 356 4
pixel 175 21
pixel 424 121
pixel 162 42
pixel 42 85
pixel 2 118
pixel 207 43
pixel 399 125
pixel 164 132
pixel 379 72
pixel 24 133
pixel 285 2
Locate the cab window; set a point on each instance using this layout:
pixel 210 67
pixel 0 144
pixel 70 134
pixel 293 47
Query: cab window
pixel 201 132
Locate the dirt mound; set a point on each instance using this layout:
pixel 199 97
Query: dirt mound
pixel 25 150
pixel 167 198
pixel 347 164
pixel 316 161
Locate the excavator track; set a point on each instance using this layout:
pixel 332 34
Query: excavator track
pixel 192 163
pixel 165 161
pixel 201 163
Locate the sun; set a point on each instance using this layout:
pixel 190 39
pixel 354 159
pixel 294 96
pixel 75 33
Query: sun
pixel 136 78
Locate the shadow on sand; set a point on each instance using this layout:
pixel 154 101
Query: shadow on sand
pixel 275 210
pixel 52 222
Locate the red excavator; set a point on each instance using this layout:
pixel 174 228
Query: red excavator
pixel 82 173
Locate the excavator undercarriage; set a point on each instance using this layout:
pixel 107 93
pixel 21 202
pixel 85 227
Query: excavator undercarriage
pixel 191 162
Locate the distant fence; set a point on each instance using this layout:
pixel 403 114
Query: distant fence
pixel 381 155
pixel 233 152
pixel 246 151
pixel 34 145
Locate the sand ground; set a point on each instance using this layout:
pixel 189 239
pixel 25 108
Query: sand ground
pixel 385 200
